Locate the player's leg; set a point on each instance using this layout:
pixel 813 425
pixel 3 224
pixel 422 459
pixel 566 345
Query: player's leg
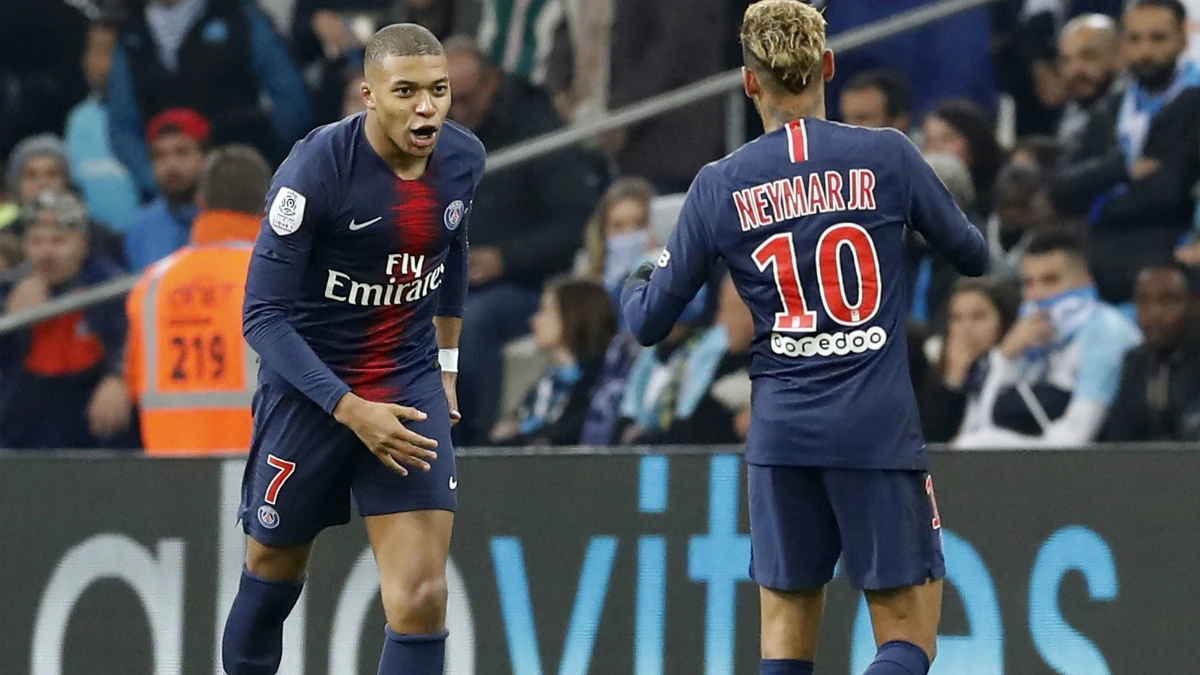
pixel 892 550
pixel 905 622
pixel 296 484
pixel 411 551
pixel 409 520
pixel 794 548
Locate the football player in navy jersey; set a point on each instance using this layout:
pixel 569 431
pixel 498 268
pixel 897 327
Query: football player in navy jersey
pixel 353 303
pixel 811 220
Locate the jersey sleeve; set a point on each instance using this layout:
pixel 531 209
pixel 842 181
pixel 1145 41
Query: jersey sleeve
pixel 297 205
pixel 652 307
pixel 934 213
pixel 453 294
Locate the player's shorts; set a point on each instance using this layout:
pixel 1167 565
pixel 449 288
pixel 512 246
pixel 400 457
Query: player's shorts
pixel 883 524
pixel 304 466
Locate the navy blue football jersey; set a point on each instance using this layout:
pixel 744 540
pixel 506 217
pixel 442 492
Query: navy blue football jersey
pixel 353 262
pixel 811 221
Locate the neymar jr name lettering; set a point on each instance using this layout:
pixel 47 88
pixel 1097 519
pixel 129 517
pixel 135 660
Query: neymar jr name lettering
pixel 788 198
pixel 407 282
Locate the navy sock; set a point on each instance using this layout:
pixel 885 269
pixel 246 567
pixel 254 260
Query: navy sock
pixel 253 641
pixel 785 667
pixel 899 658
pixel 413 654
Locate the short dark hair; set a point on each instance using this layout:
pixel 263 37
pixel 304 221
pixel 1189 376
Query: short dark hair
pixel 897 96
pixel 402 39
pixel 1173 6
pixel 973 122
pixel 589 321
pixel 1002 294
pixel 1056 240
pixel 235 178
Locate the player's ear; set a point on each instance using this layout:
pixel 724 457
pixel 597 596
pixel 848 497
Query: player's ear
pixel 750 82
pixel 827 66
pixel 368 97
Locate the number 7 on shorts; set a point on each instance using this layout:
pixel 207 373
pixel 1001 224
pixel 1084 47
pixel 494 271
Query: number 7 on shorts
pixel 284 471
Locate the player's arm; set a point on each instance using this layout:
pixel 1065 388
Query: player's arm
pixel 934 213
pixel 273 284
pixel 447 323
pixel 656 295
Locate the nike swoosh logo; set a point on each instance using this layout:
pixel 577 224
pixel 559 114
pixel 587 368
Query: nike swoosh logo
pixel 454 482
pixel 354 227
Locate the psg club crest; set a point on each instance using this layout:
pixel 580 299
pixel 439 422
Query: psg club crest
pixel 454 214
pixel 268 516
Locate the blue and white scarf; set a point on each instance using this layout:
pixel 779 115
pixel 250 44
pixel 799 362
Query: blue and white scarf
pixel 1139 108
pixel 1068 313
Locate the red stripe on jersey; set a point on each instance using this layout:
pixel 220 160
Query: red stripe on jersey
pixel 797 141
pixel 416 221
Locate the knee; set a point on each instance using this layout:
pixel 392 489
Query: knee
pixel 276 564
pixel 417 604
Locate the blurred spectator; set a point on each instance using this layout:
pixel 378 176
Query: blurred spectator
pixel 178 140
pixel 338 57
pixel 41 45
pixel 1023 43
pixel 62 385
pixel 951 58
pixel 1159 395
pixel 590 23
pixel 526 222
pixel 1089 61
pixel 572 328
pixel 185 318
pixel 39 163
pixel 1137 195
pixel 979 313
pixel 929 275
pixel 618 234
pixel 1040 151
pixel 1022 207
pixel 669 397
pixel 443 17
pixel 217 56
pixel 1054 375
pixel 877 99
pixel 107 186
pixel 604 411
pixel 530 39
pixel 961 128
pixel 657 46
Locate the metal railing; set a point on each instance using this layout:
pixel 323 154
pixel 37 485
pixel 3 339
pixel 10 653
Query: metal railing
pixel 728 84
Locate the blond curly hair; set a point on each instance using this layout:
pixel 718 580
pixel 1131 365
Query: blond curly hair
pixel 784 40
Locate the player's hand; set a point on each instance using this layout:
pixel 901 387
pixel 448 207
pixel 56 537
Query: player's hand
pixel 641 275
pixel 1034 330
pixel 110 410
pixel 31 292
pixel 378 426
pixel 450 383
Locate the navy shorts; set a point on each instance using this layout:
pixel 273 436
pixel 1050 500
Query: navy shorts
pixel 304 466
pixel 883 524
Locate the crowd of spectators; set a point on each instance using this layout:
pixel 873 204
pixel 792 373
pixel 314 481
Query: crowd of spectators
pixel 1067 130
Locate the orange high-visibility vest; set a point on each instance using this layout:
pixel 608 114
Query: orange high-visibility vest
pixel 191 371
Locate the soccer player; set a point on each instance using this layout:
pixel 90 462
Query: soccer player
pixel 810 219
pixel 353 301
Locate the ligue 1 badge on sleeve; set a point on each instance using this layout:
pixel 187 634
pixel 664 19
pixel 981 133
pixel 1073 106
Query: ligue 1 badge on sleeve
pixel 454 214
pixel 287 211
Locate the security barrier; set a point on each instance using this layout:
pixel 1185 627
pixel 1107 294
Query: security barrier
pixel 1076 562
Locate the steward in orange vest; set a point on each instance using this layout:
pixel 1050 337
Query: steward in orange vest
pixel 189 368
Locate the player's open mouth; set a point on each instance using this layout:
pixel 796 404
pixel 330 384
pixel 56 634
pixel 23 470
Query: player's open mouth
pixel 424 136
